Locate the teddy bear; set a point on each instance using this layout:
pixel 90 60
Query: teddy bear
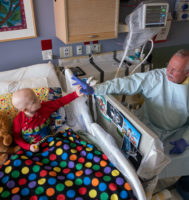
pixel 5 140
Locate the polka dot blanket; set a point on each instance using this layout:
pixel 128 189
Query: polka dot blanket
pixel 66 167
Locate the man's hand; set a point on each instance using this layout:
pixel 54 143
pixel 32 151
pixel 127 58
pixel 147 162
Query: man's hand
pixel 34 147
pixel 179 146
pixel 91 81
pixel 85 88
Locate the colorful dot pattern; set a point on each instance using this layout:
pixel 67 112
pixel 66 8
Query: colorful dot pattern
pixel 65 168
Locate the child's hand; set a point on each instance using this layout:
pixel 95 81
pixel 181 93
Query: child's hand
pixel 34 147
pixel 78 92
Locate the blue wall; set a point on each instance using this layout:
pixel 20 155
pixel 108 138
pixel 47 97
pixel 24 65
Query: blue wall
pixel 20 53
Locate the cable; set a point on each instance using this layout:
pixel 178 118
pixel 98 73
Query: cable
pixel 142 50
pixel 152 46
pixel 126 49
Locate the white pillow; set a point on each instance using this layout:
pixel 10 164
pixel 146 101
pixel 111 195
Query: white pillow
pixel 32 72
pixel 12 86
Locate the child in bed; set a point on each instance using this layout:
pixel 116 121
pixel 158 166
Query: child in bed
pixel 32 122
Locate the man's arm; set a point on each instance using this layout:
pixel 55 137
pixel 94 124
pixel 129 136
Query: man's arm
pixel 127 85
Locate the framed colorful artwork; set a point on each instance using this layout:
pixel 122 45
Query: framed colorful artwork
pixel 16 20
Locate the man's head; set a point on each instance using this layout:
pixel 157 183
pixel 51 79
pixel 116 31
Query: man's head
pixel 25 100
pixel 178 67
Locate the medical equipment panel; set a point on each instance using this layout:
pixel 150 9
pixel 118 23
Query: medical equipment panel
pixel 144 23
pixel 155 15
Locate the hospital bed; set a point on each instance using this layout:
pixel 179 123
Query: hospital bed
pixel 41 176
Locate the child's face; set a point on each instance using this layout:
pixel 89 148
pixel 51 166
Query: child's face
pixel 33 106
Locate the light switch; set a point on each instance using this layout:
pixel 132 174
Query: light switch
pixel 47 55
pixel 79 50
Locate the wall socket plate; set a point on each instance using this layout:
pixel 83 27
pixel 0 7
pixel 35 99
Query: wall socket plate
pixel 96 48
pixel 88 49
pixel 93 48
pixel 79 50
pixel 66 51
pixel 47 54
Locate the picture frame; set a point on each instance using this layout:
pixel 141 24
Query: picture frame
pixel 20 24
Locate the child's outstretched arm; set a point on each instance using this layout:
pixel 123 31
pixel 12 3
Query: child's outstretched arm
pixel 82 88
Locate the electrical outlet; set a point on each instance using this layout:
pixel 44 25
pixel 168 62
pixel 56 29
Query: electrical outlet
pixel 96 48
pixel 93 48
pixel 79 50
pixel 88 49
pixel 66 51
